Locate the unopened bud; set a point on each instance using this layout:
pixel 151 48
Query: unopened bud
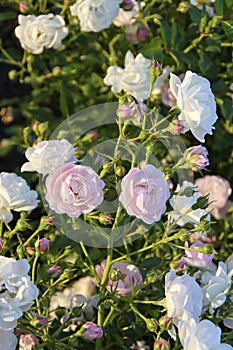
pixel 104 219
pixel 120 171
pixel 206 249
pixel 23 7
pixel 151 325
pixel 115 275
pixel 12 74
pixel 161 344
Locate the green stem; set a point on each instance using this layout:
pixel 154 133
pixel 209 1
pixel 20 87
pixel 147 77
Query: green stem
pixel 31 237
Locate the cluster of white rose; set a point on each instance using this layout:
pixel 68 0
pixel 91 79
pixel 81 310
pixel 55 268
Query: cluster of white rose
pixel 187 301
pixel 17 294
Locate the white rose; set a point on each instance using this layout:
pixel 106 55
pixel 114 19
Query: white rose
pixel 37 33
pixel 182 204
pixel 95 15
pixel 8 340
pixel 196 102
pixel 16 195
pixel 134 78
pixel 215 287
pixel 46 156
pixel 183 297
pixel 17 292
pixel 202 335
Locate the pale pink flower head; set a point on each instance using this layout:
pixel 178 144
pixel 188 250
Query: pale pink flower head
pixel 219 190
pixel 92 331
pixel 123 277
pixel 198 157
pixel 196 258
pixel 27 341
pixel 144 193
pixel 74 190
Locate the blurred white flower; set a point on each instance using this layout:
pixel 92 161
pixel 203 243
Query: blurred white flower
pixel 219 190
pixel 215 287
pixel 95 15
pixel 134 78
pixel 128 17
pixel 181 204
pixel 17 292
pixel 15 195
pixel 46 156
pixel 196 102
pixel 161 80
pixel 43 31
pixel 183 297
pixel 203 335
pixel 8 340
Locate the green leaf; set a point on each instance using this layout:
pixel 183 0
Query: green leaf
pixel 66 101
pixel 226 109
pixel 205 62
pixel 165 32
pixel 228 28
pixel 153 49
pixel 150 263
pixel 195 15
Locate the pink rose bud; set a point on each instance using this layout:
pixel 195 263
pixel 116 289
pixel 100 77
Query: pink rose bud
pixel 124 111
pixel 41 322
pixel 142 33
pixel 128 5
pixel 201 256
pixel 161 344
pixel 47 221
pixel 176 127
pixel 92 331
pixel 23 6
pixel 27 341
pixel 43 244
pixel 54 270
pixel 198 157
pixel 123 277
pixel 1 244
pixel 93 135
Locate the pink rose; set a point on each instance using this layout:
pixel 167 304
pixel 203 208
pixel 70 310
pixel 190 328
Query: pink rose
pixel 123 277
pixel 219 190
pixel 92 331
pixel 74 190
pixel 196 258
pixel 144 193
